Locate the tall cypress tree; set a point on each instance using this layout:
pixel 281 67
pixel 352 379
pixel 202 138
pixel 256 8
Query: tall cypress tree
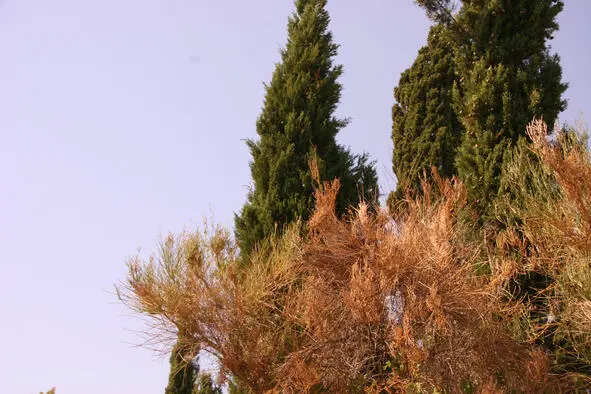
pixel 426 130
pixel 510 77
pixel 298 122
pixel 182 375
pixel 506 75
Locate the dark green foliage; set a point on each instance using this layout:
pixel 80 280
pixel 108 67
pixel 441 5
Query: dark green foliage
pixel 183 372
pixel 206 385
pixel 509 77
pixel 505 77
pixel 426 131
pixel 440 11
pixel 297 123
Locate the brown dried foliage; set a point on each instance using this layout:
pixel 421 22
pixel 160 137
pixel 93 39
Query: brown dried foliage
pixel 374 302
pixel 195 288
pixel 310 312
pixel 449 324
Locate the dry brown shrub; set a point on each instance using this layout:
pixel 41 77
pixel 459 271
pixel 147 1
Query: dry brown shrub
pixel 368 301
pixel 449 327
pixel 196 288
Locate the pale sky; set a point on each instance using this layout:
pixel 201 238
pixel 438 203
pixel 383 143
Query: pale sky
pixel 121 120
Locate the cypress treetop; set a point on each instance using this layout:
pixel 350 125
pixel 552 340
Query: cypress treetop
pixel 297 123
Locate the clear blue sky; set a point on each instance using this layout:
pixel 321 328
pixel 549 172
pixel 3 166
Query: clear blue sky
pixel 124 119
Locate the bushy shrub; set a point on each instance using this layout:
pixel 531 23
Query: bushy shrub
pixel 549 236
pixel 386 303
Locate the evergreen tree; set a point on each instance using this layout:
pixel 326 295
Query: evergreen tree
pixel 507 77
pixel 183 372
pixel 298 122
pixel 426 130
pixel 206 385
pixel 510 78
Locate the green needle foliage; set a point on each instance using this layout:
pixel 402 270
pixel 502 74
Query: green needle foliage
pixel 182 375
pixel 426 131
pixel 296 124
pixel 206 385
pixel 504 77
pixel 509 78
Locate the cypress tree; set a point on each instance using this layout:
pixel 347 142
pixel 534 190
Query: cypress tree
pixel 206 385
pixel 426 130
pixel 510 77
pixel 182 375
pixel 297 123
pixel 507 77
